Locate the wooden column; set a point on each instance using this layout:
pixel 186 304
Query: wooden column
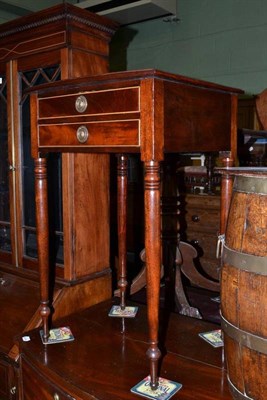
pixel 226 192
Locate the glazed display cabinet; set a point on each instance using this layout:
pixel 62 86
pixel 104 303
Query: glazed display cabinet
pixel 55 44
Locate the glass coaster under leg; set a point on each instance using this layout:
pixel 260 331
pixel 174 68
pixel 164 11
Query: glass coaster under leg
pixel 126 312
pixel 166 389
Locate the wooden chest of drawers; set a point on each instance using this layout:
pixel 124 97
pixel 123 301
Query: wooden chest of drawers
pixel 19 299
pixel 200 221
pixel 38 386
pixel 104 364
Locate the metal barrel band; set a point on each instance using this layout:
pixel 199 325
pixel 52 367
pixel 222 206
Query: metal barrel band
pixel 244 261
pixel 237 395
pixel 247 339
pixel 248 184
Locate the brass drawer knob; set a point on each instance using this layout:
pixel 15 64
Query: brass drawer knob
pixel 81 104
pixel 56 396
pixel 82 134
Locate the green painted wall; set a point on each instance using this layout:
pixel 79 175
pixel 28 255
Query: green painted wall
pixel 16 8
pixel 223 41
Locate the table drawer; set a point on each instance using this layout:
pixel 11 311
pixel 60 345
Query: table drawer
pixel 108 134
pixel 91 103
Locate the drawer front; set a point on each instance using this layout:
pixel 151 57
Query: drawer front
pixel 206 243
pixel 4 387
pixel 37 387
pixel 125 100
pixel 203 201
pixel 202 219
pixel 90 134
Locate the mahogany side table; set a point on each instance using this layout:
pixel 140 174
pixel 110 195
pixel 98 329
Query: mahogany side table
pixel 145 111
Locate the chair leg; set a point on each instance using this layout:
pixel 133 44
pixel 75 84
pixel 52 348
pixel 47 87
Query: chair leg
pixel 180 297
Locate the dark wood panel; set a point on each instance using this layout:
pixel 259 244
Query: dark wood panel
pixel 22 40
pixel 15 292
pixel 32 46
pixel 4 386
pixel 80 40
pixel 32 379
pixel 91 204
pixel 196 119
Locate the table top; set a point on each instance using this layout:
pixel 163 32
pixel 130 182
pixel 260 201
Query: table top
pixel 128 76
pixel 146 111
pixel 244 171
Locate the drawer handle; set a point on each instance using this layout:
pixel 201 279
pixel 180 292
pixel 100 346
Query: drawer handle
pixel 195 218
pixel 81 104
pixel 13 390
pixel 82 134
pixel 56 396
pixel 3 281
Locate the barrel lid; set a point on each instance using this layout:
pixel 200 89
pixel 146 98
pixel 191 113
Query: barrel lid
pixel 244 171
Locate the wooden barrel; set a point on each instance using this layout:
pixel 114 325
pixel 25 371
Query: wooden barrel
pixel 244 286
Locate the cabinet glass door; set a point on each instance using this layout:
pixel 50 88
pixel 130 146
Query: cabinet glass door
pixel 5 242
pixel 30 79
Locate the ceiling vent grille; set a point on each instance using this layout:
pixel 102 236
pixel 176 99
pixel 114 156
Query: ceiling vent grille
pixel 128 11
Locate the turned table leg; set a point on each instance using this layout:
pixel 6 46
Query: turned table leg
pixel 226 192
pixel 122 181
pixel 153 261
pixel 42 239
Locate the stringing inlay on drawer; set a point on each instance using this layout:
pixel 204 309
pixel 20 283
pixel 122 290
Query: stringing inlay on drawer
pixel 104 133
pixel 101 102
